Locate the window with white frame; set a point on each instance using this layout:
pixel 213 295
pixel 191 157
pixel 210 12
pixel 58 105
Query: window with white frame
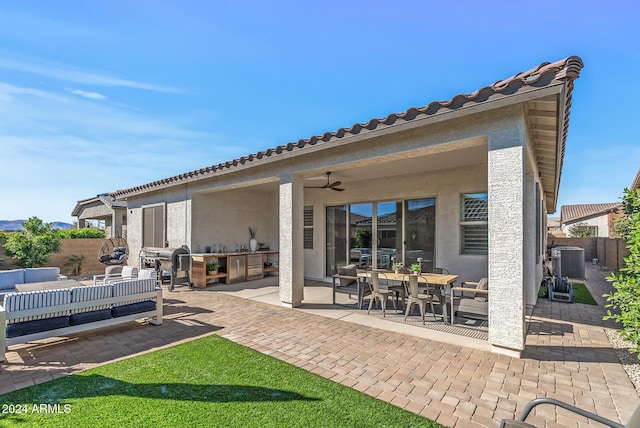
pixel 474 223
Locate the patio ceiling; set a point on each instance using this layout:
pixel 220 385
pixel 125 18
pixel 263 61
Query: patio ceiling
pixel 404 164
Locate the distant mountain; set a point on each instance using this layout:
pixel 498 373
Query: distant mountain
pixel 12 225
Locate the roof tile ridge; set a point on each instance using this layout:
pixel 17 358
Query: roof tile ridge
pixel 568 68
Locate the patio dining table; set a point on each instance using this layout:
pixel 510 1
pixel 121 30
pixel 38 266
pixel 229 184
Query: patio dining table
pixel 441 282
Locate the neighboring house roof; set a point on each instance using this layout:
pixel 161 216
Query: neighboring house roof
pixel 107 199
pixel 571 213
pixel 545 75
pixel 636 182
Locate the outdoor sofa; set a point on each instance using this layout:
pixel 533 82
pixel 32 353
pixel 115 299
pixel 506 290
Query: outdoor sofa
pixel 9 278
pixel 34 315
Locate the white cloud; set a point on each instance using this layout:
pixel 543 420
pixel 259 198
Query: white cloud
pixel 87 94
pixel 58 149
pixel 70 74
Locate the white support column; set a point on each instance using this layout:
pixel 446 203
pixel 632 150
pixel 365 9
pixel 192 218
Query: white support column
pixel 506 241
pixel 116 224
pixel 291 260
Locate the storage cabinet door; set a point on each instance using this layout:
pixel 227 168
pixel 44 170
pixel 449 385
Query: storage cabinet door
pixel 254 266
pixel 236 268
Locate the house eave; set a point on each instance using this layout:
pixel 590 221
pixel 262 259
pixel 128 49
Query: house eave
pixel 543 81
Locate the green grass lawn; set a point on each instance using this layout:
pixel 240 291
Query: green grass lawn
pixel 209 382
pixel 580 294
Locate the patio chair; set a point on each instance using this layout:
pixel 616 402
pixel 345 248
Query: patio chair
pixel 128 272
pixel 381 294
pixel 471 299
pixel 346 281
pixel 634 421
pixel 415 298
pixel 440 271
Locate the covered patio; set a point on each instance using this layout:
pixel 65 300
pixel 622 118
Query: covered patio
pixel 464 184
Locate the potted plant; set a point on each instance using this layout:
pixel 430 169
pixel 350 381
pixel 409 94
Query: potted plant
pixel 253 244
pixel 415 268
pixel 212 267
pixel 397 267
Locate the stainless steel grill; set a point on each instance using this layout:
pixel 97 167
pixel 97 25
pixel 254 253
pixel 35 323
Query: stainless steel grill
pixel 175 262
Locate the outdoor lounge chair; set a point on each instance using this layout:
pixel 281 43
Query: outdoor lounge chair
pixel 471 299
pixel 128 272
pixel 349 283
pixel 634 421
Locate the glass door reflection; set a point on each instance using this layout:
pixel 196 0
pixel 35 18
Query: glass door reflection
pixel 388 228
pixel 420 232
pixel 360 234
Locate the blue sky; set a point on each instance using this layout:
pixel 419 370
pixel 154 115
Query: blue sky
pixel 99 96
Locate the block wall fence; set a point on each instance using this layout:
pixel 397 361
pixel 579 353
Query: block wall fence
pixel 87 247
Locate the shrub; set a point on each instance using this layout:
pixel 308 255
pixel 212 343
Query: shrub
pixel 87 232
pixel 626 298
pixel 74 263
pixel 582 230
pixel 33 245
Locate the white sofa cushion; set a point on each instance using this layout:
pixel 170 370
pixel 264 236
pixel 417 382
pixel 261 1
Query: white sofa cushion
pixel 133 286
pixel 41 274
pixel 91 292
pixel 37 299
pixel 9 278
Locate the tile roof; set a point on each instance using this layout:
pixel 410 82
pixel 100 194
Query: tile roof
pixel 636 182
pixel 545 74
pixel 569 213
pixel 106 198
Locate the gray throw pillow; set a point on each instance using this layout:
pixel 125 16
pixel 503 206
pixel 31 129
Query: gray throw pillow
pixel 349 270
pixel 483 284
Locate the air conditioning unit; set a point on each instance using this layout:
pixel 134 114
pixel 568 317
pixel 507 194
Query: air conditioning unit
pixel 571 262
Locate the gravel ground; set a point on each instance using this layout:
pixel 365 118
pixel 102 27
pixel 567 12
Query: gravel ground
pixel 630 361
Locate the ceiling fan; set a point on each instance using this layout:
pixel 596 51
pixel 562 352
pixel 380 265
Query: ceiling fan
pixel 329 185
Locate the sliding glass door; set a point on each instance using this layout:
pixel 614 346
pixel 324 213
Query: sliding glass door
pixel 420 232
pixel 388 227
pixel 360 235
pixel 336 239
pixel 374 235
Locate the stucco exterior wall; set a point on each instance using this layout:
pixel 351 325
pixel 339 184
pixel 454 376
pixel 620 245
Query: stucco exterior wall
pixel 224 218
pixel 444 185
pixel 601 221
pixel 176 203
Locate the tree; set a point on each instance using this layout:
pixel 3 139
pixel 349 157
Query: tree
pixel 363 237
pixel 582 230
pixel 626 298
pixel 33 246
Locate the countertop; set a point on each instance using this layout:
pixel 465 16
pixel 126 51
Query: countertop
pixel 233 253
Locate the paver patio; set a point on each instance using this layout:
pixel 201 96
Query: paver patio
pixel 453 380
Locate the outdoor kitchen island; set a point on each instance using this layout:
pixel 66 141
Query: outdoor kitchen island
pixel 231 267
